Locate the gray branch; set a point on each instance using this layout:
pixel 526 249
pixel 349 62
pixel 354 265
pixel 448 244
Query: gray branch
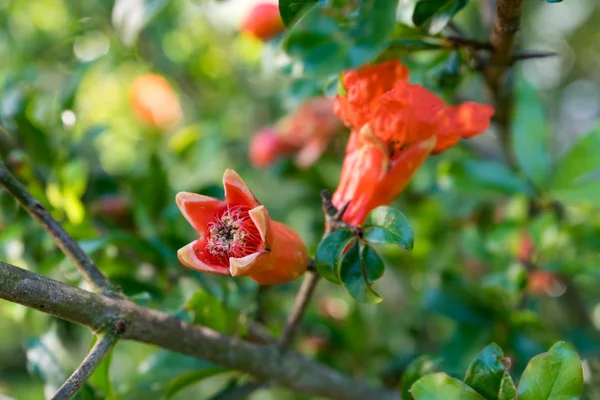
pixel 102 347
pixel 84 264
pixel 133 322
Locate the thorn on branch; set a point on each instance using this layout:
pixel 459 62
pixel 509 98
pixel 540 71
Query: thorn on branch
pixel 532 55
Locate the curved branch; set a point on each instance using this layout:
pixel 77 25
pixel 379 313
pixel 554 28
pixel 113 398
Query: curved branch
pixel 101 348
pixel 84 264
pixel 133 322
pixel 309 284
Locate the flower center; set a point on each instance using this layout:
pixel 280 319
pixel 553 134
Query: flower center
pixel 232 234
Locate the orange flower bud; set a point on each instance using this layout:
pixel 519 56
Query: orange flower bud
pixel 395 126
pixel 266 147
pixel 263 22
pixel 154 101
pixel 238 238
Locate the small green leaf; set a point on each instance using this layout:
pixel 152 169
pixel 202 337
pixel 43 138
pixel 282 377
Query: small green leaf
pixel 389 226
pixel 434 15
pixel 487 373
pixel 508 391
pixel 353 273
pixel 373 264
pixel 329 253
pixel 530 135
pixel 586 193
pixel 290 9
pixel 190 378
pixel 423 365
pixel 555 375
pixel 581 160
pixel 442 387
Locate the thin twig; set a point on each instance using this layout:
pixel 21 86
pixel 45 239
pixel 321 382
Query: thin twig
pixel 133 322
pixel 298 310
pixel 101 348
pixel 86 267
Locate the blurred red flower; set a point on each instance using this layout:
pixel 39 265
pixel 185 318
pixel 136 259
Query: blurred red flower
pixel 305 133
pixel 238 238
pixel 395 126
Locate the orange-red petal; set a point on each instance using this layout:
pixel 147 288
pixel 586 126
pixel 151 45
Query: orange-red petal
pixel 192 256
pixel 236 190
pixel 199 210
pixel 463 121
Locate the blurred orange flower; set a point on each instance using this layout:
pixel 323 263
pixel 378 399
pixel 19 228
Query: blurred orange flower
pixel 305 133
pixel 263 22
pixel 154 101
pixel 238 238
pixel 395 126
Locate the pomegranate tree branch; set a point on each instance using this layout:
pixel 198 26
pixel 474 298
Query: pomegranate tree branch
pixel 132 322
pixel 84 264
pixel 101 348
pixel 502 37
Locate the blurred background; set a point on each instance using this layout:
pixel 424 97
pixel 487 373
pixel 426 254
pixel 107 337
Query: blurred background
pixel 108 109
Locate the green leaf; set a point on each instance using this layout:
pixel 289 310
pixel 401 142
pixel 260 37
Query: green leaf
pixel 373 264
pixel 581 160
pixel 327 39
pixel 487 373
pixel 423 365
pixel 442 387
pixel 190 378
pixel 130 17
pixel 209 311
pixel 329 253
pixel 290 9
pixel 587 193
pixel 434 15
pixel 507 391
pixel 353 272
pixel 529 131
pixel 171 372
pixel 42 362
pixel 555 375
pixel 389 226
pixel 488 176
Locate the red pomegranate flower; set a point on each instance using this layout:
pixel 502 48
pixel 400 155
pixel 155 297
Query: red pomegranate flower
pixel 263 22
pixel 238 238
pixel 395 126
pixel 306 133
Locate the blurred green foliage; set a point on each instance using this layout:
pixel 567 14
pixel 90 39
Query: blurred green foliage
pixel 69 132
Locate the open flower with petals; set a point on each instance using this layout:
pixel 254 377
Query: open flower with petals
pixel 395 126
pixel 238 238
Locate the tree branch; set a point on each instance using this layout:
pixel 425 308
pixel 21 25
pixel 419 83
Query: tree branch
pixel 502 38
pixel 86 266
pixel 133 322
pixel 101 348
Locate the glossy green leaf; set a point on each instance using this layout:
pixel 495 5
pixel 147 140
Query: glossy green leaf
pixel 323 42
pixel 530 132
pixel 373 264
pixel 442 387
pixel 388 226
pixel 555 375
pixel 353 273
pixel 423 365
pixel 581 160
pixel 434 15
pixel 487 374
pixel 508 390
pixel 291 9
pixel 329 253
